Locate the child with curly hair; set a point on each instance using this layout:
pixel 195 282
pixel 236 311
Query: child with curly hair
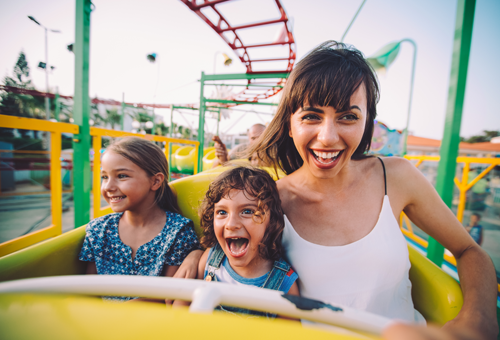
pixel 242 224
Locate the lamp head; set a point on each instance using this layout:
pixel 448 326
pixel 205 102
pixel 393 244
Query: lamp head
pixel 152 57
pixel 33 19
pixel 227 60
pixel 384 57
pixel 70 47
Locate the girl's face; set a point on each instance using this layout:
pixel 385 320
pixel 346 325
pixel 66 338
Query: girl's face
pixel 237 232
pixel 326 138
pixel 125 186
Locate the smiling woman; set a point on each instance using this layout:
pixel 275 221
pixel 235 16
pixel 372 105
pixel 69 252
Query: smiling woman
pixel 342 206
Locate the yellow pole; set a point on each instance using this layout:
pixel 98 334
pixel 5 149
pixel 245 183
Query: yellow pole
pixel 56 181
pixel 196 160
pixel 463 192
pixel 96 175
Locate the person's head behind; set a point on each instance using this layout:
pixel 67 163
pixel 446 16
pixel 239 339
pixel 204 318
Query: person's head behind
pixel 150 158
pixel 328 76
pixel 475 218
pixel 257 186
pixel 254 132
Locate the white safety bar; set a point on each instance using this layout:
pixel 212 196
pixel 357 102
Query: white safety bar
pixel 205 296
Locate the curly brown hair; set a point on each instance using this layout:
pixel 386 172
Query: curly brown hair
pixel 258 184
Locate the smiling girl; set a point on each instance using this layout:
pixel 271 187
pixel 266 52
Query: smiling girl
pixel 243 223
pixel 146 235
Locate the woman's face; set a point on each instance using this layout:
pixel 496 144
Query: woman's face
pixel 326 138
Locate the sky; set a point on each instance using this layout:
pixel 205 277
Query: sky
pixel 124 32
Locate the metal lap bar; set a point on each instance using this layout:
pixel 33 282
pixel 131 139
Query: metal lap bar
pixel 97 134
pixel 55 130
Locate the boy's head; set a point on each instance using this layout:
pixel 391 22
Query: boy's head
pixel 260 206
pixel 474 218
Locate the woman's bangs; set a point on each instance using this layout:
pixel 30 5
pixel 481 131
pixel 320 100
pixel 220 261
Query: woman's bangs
pixel 325 86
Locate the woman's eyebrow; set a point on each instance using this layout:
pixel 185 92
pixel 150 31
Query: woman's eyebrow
pixel 313 109
pixel 355 107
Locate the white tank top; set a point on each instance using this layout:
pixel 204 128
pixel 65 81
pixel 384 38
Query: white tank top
pixel 370 274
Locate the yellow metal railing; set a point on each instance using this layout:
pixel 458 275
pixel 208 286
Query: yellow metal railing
pixel 24 152
pixel 97 134
pixel 55 130
pixel 463 186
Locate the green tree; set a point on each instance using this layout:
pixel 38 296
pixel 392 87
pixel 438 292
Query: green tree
pixel 485 137
pixel 20 104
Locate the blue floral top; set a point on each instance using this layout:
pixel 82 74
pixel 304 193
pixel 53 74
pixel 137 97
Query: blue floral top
pixel 103 246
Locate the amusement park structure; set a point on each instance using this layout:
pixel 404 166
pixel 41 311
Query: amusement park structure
pixel 257 86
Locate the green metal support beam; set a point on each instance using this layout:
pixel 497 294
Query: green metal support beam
pixel 201 123
pixel 456 94
pixel 203 100
pixel 223 101
pixel 57 104
pixel 81 142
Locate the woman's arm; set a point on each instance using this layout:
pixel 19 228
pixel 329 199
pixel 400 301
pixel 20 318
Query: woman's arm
pixel 189 267
pixel 477 276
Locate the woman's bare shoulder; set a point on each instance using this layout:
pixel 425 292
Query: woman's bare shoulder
pixel 405 181
pixel 399 168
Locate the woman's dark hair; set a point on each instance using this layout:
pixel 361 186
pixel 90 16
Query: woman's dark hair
pixel 327 76
pixel 150 158
pixel 258 185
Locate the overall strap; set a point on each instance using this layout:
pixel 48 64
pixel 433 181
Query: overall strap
pixel 277 275
pixel 214 262
pixel 385 178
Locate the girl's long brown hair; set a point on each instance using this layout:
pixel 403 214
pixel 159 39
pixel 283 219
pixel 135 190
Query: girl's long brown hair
pixel 150 158
pixel 327 76
pixel 258 185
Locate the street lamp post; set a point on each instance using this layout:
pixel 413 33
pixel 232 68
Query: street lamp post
pixel 382 59
pixel 47 100
pixel 152 58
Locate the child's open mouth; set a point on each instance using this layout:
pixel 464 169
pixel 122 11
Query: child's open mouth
pixel 116 199
pixel 237 246
pixel 326 157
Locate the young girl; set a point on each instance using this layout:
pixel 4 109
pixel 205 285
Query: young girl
pixel 146 235
pixel 243 222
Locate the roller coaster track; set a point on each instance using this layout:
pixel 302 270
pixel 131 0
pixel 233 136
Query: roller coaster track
pixel 220 24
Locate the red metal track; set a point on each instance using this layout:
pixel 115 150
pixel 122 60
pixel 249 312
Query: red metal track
pixel 241 50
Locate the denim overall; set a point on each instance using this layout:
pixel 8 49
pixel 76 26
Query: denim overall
pixel 273 281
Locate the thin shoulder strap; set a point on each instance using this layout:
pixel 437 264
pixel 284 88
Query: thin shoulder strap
pixel 385 177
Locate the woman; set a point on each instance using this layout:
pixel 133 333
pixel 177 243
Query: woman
pixel 342 206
